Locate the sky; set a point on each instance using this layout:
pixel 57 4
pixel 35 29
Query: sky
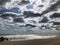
pixel 23 11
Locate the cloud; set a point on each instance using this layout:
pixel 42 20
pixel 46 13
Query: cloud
pixel 44 20
pixel 32 21
pixel 6 15
pixel 3 2
pixel 55 15
pixel 30 14
pixel 53 7
pixel 15 10
pixel 30 25
pixel 16 20
pixel 24 2
pixel 2 10
pixel 13 5
pixel 20 2
pixel 56 23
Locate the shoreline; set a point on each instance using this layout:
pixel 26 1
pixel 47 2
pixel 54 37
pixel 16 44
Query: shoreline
pixel 50 41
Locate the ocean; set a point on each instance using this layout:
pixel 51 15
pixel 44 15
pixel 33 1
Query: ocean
pixel 19 37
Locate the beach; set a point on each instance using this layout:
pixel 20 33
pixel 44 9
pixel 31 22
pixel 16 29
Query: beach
pixel 49 41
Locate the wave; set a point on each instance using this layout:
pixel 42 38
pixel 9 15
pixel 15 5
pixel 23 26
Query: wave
pixel 26 37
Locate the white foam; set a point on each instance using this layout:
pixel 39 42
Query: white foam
pixel 26 37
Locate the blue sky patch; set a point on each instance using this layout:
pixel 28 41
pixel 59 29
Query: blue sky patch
pixel 29 6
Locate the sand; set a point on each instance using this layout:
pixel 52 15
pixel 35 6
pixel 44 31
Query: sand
pixel 51 41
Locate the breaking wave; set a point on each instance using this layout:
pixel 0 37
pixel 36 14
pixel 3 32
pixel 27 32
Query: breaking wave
pixel 26 37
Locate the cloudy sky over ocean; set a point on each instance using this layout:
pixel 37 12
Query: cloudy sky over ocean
pixel 30 15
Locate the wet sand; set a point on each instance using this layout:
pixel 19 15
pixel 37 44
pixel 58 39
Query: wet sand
pixel 51 41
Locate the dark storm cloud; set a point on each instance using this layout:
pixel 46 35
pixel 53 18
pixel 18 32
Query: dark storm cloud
pixel 44 20
pixel 5 16
pixel 24 2
pixel 33 21
pixel 40 5
pixel 55 15
pixel 2 2
pixel 30 14
pixel 30 25
pixel 53 7
pixel 56 23
pixel 18 20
